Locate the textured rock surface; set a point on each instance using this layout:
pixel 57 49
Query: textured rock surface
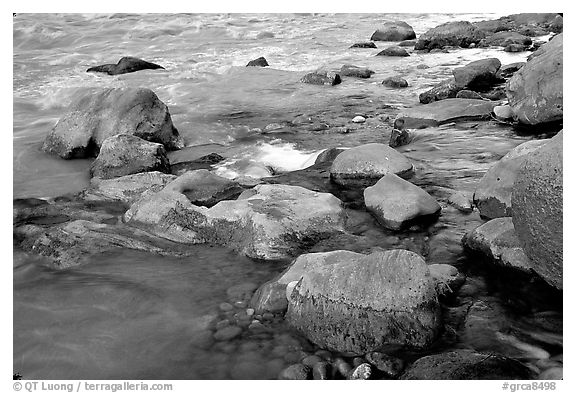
pixel 477 74
pixel 394 31
pixel 397 203
pixel 259 62
pixel 204 188
pixel 537 208
pixel 505 38
pixel 124 66
pixel 439 112
pixel 535 92
pixel 366 164
pixel 322 78
pixel 394 51
pixel 493 195
pixel 450 34
pixel 395 81
pixel 447 278
pixel 443 90
pixel 108 112
pixel 357 72
pixel 270 297
pixel 366 303
pixel 269 222
pixel 466 364
pixel 124 154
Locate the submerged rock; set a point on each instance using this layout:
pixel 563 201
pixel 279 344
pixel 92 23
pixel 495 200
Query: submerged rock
pixel 108 112
pixel 394 31
pixel 363 303
pixel 270 222
pixel 466 365
pixel 364 45
pixel 537 207
pixel 395 82
pixel 259 62
pixel 321 78
pixel 397 203
pixel 400 138
pixel 125 65
pixel 450 34
pixel 357 72
pixel 508 70
pixel 445 111
pixel 394 51
pixel 493 194
pixel 124 154
pixel 366 164
pixel 535 92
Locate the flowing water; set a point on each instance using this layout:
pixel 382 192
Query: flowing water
pixel 136 315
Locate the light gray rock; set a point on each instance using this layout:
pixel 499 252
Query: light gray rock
pixel 447 278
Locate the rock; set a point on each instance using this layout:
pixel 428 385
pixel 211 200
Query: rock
pixel 445 111
pixel 514 48
pixel 407 43
pixel 389 365
pixel 126 189
pixel 532 24
pixel 125 65
pixel 394 31
pixel 365 164
pixel 359 119
pixel 361 372
pixel 442 91
pixel 397 203
pixel 505 38
pixel 259 62
pixel 399 138
pixel 537 210
pixel 395 82
pixel 270 222
pixel 204 188
pixel 462 200
pixel 321 370
pixel 357 72
pixel 497 240
pixel 477 75
pixel 295 372
pixel 466 365
pixel 535 92
pixel 508 70
pixel 469 95
pixel 362 303
pixel 447 278
pixel 450 34
pixel 311 360
pixel 364 45
pixel 227 333
pixel 124 154
pixel 204 162
pixel 321 78
pixel 552 374
pixel 328 155
pixel 493 194
pixel 503 112
pixel 422 67
pixel 108 112
pixel 270 297
pixel 395 51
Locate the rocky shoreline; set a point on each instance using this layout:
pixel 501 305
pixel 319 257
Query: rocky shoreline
pixel 367 313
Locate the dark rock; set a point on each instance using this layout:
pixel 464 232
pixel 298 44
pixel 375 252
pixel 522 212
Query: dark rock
pixel 364 45
pixel 295 372
pixel 125 65
pixel 450 34
pixel 443 90
pixel 395 82
pixel 493 194
pixel 478 74
pixel 259 62
pixel 357 303
pixel 445 111
pixel 321 78
pixel 393 51
pixel 204 162
pixel 400 138
pixel 203 188
pixel 407 43
pixel 328 155
pixel 270 297
pixel 535 92
pixel 394 31
pixel 505 38
pixel 508 70
pixel 469 95
pixel 357 72
pixel 467 365
pixel 537 210
pixel 397 203
pixel 514 48
pixel 422 67
pixel 108 112
pixel 124 154
pixel 389 365
pixel 366 164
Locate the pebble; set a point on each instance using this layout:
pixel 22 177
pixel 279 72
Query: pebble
pixel 503 112
pixel 359 119
pixel 203 339
pixel 343 368
pixel 295 372
pixel 389 365
pixel 250 311
pixel 226 307
pixel 362 371
pixel 311 360
pixel 227 333
pixel 321 370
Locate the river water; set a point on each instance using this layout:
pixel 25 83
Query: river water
pixel 135 315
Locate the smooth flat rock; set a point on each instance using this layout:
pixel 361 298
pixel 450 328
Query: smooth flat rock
pixel 445 111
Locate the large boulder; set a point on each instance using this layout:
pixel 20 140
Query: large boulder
pixel 445 111
pixel 459 33
pixel 531 24
pixel 124 154
pixel 364 165
pixel 397 203
pixel 535 92
pixel 108 112
pixel 394 31
pixel 505 38
pixel 363 303
pixel 479 74
pixel 124 66
pixel 465 364
pixel 441 91
pixel 268 222
pixel 537 210
pixel 493 194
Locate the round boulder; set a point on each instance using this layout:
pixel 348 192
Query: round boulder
pixel 394 31
pixel 395 82
pixel 393 51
